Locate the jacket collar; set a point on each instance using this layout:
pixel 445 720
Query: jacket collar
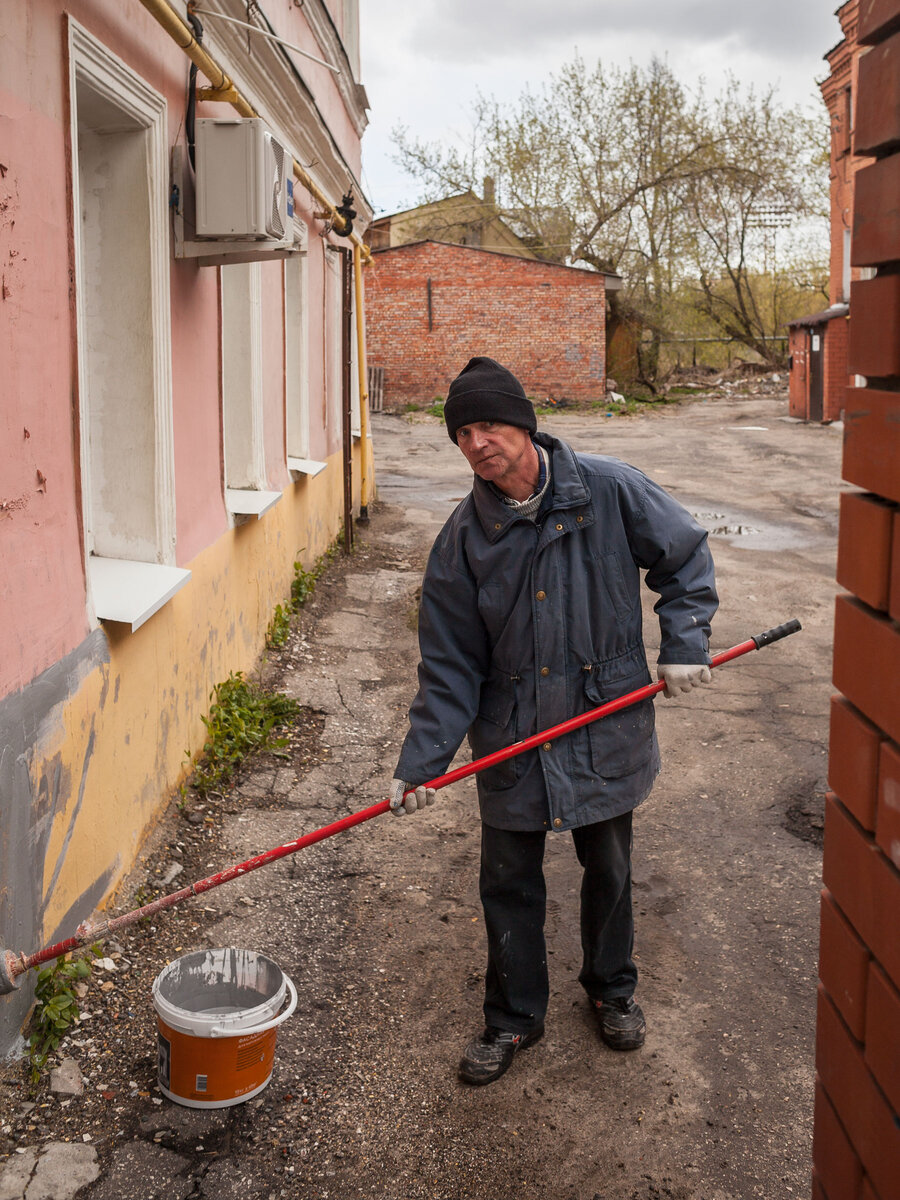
pixel 567 487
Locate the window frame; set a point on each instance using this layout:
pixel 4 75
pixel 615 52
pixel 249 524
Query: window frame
pixel 118 588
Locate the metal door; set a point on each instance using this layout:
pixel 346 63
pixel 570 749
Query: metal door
pixel 816 373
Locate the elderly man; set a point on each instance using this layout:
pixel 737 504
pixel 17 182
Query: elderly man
pixel 530 614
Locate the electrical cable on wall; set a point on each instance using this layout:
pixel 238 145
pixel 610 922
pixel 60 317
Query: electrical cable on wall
pixel 190 116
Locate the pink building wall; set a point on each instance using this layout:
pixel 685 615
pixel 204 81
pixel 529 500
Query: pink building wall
pixel 94 718
pixel 40 523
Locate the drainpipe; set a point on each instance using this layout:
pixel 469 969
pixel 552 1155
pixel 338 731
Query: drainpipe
pixel 346 398
pixel 223 89
pixel 363 388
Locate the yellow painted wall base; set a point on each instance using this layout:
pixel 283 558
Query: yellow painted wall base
pixel 106 757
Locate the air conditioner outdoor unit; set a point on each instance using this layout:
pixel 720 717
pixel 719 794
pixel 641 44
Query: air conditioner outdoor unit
pixel 244 180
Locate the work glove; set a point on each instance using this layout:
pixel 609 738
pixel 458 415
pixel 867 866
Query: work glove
pixel 681 678
pixel 416 799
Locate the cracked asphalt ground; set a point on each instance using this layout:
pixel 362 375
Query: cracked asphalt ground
pixel 381 928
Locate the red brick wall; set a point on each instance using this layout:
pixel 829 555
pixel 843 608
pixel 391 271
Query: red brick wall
pixel 856 1148
pixel 835 367
pixel 545 322
pixel 846 154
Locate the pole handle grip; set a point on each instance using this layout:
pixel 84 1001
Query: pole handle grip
pixel 776 634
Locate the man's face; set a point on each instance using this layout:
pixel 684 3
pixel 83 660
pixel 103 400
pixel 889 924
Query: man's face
pixel 496 452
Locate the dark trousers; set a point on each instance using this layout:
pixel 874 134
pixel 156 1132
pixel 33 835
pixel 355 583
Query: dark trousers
pixel 513 894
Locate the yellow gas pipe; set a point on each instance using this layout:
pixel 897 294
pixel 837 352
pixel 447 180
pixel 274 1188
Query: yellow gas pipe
pixel 223 89
pixel 363 386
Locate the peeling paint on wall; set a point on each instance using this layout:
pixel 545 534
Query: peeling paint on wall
pixel 94 746
pixel 28 810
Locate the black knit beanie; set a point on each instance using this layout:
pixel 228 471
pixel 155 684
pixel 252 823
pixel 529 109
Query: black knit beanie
pixel 485 391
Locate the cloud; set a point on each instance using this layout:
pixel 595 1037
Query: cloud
pixel 424 64
pixel 474 32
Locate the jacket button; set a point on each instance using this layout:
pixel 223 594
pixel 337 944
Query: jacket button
pixel 545 670
pixel 579 519
pixel 558 527
pixel 547 746
pixel 497 526
pixel 541 595
pixel 557 822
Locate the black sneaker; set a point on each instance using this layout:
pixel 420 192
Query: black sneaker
pixel 622 1024
pixel 490 1054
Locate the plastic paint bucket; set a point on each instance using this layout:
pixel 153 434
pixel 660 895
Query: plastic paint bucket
pixel 217 1015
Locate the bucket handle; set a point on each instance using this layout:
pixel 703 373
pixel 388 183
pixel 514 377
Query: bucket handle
pixel 220 1031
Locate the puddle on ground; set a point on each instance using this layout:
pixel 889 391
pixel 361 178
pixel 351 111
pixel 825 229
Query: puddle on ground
pixel 719 525
pixel 760 536
pixel 438 496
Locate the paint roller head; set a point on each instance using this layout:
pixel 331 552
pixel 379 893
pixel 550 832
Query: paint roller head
pixel 9 977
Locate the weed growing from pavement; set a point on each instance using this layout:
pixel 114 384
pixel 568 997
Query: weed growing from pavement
pixel 243 719
pixel 279 626
pixel 142 895
pixel 304 582
pixel 435 409
pixel 634 404
pixel 56 1008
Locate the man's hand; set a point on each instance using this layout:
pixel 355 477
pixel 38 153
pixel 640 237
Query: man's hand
pixel 417 798
pixel 680 678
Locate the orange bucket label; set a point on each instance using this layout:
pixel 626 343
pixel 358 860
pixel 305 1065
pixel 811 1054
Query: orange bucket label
pixel 213 1069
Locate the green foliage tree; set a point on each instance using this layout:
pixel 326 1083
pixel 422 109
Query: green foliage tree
pixel 625 170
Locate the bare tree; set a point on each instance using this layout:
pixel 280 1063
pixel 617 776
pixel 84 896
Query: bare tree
pixel 766 175
pixel 625 170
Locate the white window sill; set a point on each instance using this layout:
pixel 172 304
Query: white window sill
pixel 248 502
pixel 305 466
pixel 131 592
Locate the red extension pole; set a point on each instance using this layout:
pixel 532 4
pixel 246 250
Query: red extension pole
pixel 13 965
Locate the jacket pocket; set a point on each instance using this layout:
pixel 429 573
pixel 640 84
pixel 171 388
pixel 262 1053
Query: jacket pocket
pixel 622 742
pixel 494 729
pixel 621 598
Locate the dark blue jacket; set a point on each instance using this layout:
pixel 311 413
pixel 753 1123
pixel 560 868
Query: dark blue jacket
pixel 523 625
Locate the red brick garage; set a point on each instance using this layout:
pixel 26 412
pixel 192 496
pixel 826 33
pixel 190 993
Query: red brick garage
pixel 818 379
pixel 431 306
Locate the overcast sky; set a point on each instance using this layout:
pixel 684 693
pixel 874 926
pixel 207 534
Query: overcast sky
pixel 424 62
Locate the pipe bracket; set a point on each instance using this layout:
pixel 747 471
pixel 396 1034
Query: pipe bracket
pixel 228 95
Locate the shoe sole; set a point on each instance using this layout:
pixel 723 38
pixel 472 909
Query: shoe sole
pixel 466 1075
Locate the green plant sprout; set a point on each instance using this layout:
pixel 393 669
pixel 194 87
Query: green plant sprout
pixel 56 1009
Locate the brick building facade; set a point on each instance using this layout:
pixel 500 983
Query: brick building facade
pixel 432 306
pixel 856 1147
pixel 178 430
pixel 818 344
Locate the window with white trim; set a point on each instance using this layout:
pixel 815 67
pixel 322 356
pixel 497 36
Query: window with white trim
pixel 246 492
pixel 296 356
pixel 121 240
pixel 334 338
